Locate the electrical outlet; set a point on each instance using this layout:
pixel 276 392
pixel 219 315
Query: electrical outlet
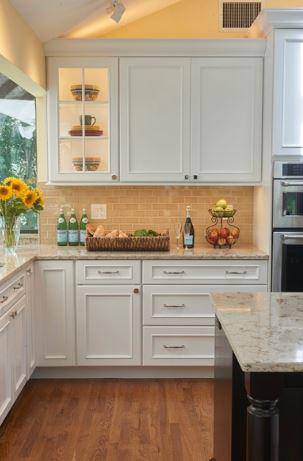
pixel 98 211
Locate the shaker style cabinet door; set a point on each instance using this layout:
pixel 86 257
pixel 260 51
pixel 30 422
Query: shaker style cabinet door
pixel 108 325
pixel 226 118
pixel 6 365
pixel 19 346
pixel 82 120
pixel 288 93
pixel 55 312
pixel 155 119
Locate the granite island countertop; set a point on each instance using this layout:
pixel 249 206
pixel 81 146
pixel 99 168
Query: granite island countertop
pixel 264 330
pixel 29 253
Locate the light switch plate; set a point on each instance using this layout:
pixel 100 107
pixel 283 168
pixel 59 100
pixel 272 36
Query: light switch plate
pixel 98 211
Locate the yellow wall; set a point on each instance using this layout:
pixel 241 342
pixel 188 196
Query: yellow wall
pixel 187 19
pixel 21 53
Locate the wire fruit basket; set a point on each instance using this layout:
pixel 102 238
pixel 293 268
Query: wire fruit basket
pixel 223 233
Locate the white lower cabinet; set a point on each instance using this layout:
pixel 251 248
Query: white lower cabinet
pixel 6 381
pixel 108 325
pixel 55 313
pixel 178 315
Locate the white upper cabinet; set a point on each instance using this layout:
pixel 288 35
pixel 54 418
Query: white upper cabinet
pixel 288 93
pixel 226 119
pixel 155 119
pixel 83 120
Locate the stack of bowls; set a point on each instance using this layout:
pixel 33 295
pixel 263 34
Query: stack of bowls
pixel 91 163
pixel 90 92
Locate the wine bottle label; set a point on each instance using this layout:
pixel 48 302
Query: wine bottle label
pixel 82 235
pixel 61 236
pixel 60 220
pixel 73 236
pixel 84 220
pixel 72 220
pixel 188 240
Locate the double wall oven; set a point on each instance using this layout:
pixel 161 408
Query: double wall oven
pixel 287 263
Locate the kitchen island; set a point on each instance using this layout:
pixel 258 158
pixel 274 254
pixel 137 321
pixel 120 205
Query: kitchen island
pixel 258 376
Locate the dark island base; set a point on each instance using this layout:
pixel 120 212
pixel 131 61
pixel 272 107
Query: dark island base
pixel 258 416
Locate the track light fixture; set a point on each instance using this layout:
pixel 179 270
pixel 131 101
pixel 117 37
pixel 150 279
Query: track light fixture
pixel 116 10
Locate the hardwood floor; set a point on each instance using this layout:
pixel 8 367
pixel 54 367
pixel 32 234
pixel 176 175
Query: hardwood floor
pixel 110 420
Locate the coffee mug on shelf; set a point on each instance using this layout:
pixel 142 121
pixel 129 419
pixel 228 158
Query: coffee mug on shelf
pixel 87 120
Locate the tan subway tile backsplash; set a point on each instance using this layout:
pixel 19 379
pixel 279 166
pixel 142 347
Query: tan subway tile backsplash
pixel 153 207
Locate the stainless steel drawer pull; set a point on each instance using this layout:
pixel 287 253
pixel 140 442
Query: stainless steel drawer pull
pixel 3 299
pixel 173 272
pixel 18 286
pixel 292 183
pixel 173 347
pixel 108 272
pixel 174 305
pixel 292 236
pixel 236 272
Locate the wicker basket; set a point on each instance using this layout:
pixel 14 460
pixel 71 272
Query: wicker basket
pixel 131 243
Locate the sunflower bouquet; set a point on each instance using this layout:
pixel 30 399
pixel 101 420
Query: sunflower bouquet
pixel 16 198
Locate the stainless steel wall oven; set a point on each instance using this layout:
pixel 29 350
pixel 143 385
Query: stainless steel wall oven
pixel 287 260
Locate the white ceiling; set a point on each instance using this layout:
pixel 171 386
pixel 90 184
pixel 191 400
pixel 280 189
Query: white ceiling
pixel 81 18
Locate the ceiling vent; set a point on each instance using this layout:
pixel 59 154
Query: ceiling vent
pixel 238 14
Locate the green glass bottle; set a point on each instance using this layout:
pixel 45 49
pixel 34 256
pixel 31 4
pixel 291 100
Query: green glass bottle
pixel 61 229
pixel 83 222
pixel 73 229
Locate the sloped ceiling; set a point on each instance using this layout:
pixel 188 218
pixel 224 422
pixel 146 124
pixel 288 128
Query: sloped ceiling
pixel 81 18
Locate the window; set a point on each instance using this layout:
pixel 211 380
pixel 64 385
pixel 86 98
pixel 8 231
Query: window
pixel 18 147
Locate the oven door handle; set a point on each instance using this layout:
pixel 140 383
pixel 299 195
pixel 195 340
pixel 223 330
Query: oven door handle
pixel 292 237
pixel 292 183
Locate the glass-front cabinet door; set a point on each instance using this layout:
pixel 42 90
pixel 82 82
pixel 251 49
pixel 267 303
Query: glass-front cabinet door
pixel 83 120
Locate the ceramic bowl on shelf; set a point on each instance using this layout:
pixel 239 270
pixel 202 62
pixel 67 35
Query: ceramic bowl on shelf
pixel 90 92
pixel 91 163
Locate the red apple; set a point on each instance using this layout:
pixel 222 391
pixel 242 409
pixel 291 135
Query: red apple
pixel 235 233
pixel 213 235
pixel 224 232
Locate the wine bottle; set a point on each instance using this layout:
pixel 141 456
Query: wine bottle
pixel 189 231
pixel 83 222
pixel 61 229
pixel 73 229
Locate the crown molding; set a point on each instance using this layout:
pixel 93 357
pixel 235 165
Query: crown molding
pixel 150 47
pixel 270 19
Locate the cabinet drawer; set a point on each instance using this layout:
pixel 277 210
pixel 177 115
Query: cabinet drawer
pixel 11 292
pixel 178 346
pixel 108 272
pixel 177 305
pixel 207 271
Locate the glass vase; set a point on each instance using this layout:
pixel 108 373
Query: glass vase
pixel 10 230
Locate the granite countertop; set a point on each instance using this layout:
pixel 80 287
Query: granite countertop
pixel 265 330
pixel 29 253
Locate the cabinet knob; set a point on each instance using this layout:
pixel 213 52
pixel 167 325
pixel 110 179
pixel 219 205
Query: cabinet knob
pixel 136 290
pixel 186 176
pixel 114 176
pixel 195 176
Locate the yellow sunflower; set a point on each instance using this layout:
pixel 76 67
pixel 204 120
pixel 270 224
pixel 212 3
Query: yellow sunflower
pixel 5 192
pixel 29 198
pixel 18 186
pixel 40 197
